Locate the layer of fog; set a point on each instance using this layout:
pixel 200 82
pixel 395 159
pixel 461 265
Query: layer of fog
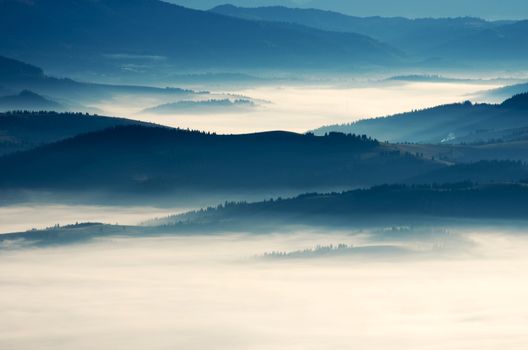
pixel 216 292
pixel 39 216
pixel 304 107
pixel 40 210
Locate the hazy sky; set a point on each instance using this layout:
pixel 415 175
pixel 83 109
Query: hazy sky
pixel 493 9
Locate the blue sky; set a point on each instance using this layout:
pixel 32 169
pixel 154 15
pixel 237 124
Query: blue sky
pixel 491 9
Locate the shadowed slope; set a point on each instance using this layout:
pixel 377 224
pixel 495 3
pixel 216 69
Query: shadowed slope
pixel 157 160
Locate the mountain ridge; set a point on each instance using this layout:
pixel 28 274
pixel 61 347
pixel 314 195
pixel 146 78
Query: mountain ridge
pixel 436 39
pixel 124 31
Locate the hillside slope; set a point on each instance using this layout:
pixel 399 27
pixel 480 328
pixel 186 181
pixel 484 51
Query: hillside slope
pixel 30 101
pixel 20 131
pixel 138 159
pixel 377 206
pixel 454 123
pixel 17 76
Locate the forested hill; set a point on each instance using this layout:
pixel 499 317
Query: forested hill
pixel 21 130
pixel 388 202
pixel 453 123
pixel 395 206
pixel 153 159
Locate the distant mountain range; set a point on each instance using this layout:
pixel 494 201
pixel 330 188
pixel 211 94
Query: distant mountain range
pixel 388 8
pixel 432 79
pixel 408 34
pixel 17 76
pixel 454 123
pixel 87 35
pixel 499 43
pixel 463 39
pixel 155 38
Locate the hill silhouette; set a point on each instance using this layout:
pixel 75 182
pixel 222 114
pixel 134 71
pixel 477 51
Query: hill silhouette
pixel 391 202
pixel 396 209
pixel 22 130
pixel 154 160
pixel 27 100
pixel 517 102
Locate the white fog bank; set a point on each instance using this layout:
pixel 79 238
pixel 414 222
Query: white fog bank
pixel 19 218
pixel 301 108
pixel 208 293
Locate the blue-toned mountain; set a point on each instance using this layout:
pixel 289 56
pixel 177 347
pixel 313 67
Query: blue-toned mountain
pixel 453 123
pixel 114 34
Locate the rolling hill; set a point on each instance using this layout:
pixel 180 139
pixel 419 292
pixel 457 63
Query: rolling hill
pixel 21 131
pixel 28 100
pixel 377 206
pixel 390 210
pixel 72 94
pixel 161 161
pixel 75 153
pixel 454 123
